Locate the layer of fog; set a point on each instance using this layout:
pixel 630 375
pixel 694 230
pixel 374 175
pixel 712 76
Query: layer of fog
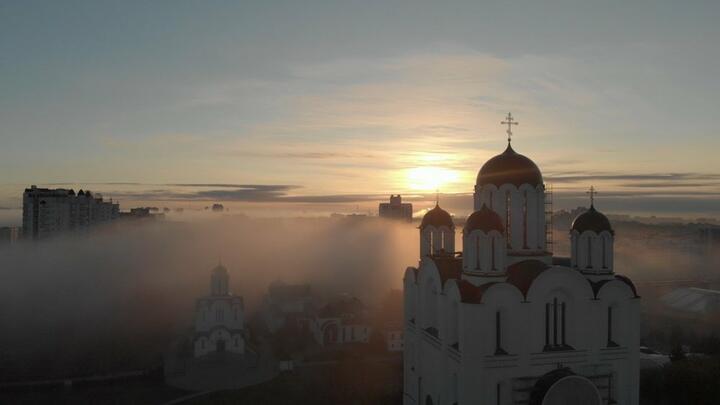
pixel 116 297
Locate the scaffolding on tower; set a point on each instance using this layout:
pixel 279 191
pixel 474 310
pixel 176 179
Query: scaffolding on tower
pixel 549 238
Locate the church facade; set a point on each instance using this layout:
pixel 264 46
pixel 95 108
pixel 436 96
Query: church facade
pixel 219 318
pixel 503 321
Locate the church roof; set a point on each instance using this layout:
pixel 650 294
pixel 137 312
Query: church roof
pixel 629 282
pixel 591 220
pixel 472 294
pixel 342 306
pixel 485 220
pixel 509 167
pixel 437 217
pixel 449 267
pixel 597 285
pixel 522 274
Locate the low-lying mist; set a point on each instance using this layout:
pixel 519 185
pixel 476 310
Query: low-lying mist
pixel 115 298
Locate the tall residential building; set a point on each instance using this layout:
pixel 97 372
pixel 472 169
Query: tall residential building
pixel 396 209
pixel 506 323
pixel 48 212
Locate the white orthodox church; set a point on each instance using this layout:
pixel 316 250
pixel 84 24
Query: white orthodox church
pixel 505 322
pixel 219 318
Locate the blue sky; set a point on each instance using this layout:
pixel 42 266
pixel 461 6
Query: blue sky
pixel 338 98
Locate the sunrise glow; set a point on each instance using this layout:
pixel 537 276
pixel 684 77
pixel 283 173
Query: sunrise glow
pixel 430 178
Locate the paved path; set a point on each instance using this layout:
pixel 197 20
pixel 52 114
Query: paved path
pixel 188 397
pixel 221 371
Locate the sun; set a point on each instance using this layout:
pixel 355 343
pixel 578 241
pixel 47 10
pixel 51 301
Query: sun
pixel 429 178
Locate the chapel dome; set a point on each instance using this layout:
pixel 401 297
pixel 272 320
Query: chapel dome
pixel 591 220
pixel 437 217
pixel 509 167
pixel 485 220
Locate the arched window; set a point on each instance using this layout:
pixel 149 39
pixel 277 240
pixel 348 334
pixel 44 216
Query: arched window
pixel 492 252
pixel 498 335
pixel 508 211
pixel 419 387
pixel 430 310
pixel 525 220
pixel 455 389
pixel 610 332
pixel 589 255
pixel 576 249
pixel 604 261
pixel 477 252
pixel 453 335
pixel 556 326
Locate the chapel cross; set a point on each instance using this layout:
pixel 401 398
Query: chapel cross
pixel 592 193
pixel 509 121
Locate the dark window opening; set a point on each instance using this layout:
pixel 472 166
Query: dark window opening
pixel 555 326
pixel 508 211
pixel 492 252
pixel 610 341
pixel 498 335
pixel 525 221
pixel 577 249
pixel 604 262
pixel 432 248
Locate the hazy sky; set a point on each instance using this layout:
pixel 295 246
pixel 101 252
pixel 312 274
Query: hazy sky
pixel 326 99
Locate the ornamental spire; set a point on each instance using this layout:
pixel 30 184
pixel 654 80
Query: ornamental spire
pixel 509 121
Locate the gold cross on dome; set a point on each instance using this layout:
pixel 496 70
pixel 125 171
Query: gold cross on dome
pixel 592 193
pixel 509 121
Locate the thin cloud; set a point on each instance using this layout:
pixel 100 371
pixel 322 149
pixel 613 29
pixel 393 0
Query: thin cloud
pixel 260 193
pixel 263 187
pixel 571 178
pixel 665 185
pixel 303 155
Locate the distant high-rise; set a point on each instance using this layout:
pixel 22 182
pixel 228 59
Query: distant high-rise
pixel 48 212
pixel 709 237
pixel 9 234
pixel 396 209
